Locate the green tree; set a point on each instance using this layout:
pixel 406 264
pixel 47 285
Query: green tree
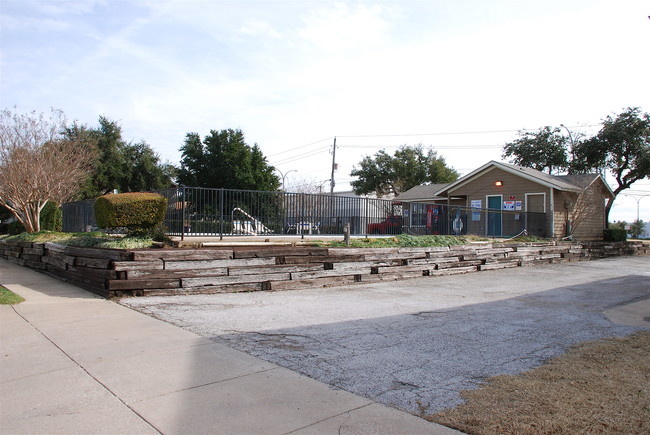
pixel 225 160
pixel 263 173
pixel 127 167
pixel 143 170
pixel 618 224
pixel 193 161
pixel 622 146
pixel 636 228
pixel 544 150
pixel 410 166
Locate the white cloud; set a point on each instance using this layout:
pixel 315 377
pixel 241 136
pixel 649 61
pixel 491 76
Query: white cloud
pixel 31 24
pixel 67 7
pixel 345 29
pixel 259 28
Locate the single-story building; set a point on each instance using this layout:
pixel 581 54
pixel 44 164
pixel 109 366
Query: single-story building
pixel 500 199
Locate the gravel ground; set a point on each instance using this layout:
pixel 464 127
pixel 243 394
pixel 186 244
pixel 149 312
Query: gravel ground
pixel 415 344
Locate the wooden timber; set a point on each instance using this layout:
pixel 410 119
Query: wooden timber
pixel 116 273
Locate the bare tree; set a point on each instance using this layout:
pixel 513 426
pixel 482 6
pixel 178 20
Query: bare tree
pixel 38 164
pixel 582 205
pixel 299 184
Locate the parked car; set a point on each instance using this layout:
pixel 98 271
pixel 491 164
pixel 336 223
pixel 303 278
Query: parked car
pixel 392 225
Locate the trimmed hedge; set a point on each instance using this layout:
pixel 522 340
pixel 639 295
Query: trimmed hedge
pixel 134 211
pixel 615 235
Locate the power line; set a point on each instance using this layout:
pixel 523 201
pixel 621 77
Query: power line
pixel 458 132
pixel 432 146
pixel 301 156
pixel 301 146
pixel 451 147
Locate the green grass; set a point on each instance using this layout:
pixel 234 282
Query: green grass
pixel 402 241
pixel 523 239
pixel 408 241
pixel 101 240
pixel 92 240
pixel 7 297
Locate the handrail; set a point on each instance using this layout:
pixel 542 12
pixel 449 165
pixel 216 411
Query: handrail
pixel 257 228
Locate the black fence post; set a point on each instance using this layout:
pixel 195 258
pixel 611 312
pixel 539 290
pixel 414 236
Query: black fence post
pixel 365 224
pixel 302 216
pixel 221 212
pixel 183 213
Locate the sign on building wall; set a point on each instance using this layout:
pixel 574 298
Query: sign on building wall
pixel 509 205
pixel 476 215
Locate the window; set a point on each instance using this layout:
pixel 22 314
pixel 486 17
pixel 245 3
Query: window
pixel 418 215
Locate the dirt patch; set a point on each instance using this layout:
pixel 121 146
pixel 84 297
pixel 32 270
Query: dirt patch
pixel 598 386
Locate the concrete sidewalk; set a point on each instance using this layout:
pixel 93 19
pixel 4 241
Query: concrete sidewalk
pixel 71 362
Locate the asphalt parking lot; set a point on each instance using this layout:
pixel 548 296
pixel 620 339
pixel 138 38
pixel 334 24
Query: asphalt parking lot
pixel 415 344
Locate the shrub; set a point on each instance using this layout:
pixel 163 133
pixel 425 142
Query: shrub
pixel 615 235
pixel 15 227
pixel 51 217
pixel 140 213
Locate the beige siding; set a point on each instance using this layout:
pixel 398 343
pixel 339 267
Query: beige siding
pixel 457 202
pixel 560 215
pixel 589 227
pixel 514 188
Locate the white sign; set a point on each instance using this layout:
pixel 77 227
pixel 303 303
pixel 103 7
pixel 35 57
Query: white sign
pixel 476 215
pixel 509 205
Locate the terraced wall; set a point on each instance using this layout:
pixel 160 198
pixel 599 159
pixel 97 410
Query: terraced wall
pixel 116 273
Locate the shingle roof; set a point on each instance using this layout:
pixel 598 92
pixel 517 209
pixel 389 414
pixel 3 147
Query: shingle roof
pixel 571 183
pixel 541 176
pixel 422 192
pixel 579 180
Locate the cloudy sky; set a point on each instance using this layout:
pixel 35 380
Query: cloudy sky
pixel 461 76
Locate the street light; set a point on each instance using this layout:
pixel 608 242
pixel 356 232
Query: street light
pixel 570 135
pixel 573 148
pixel 638 201
pixel 320 186
pixel 285 174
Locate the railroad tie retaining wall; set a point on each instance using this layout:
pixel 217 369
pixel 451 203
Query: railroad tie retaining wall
pixel 111 273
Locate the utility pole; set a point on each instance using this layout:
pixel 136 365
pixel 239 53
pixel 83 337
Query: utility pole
pixel 332 183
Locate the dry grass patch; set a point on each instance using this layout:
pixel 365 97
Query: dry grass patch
pixel 599 386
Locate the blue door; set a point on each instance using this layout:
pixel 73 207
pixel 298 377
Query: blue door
pixel 494 218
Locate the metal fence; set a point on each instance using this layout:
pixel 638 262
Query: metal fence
pixel 79 216
pixel 222 212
